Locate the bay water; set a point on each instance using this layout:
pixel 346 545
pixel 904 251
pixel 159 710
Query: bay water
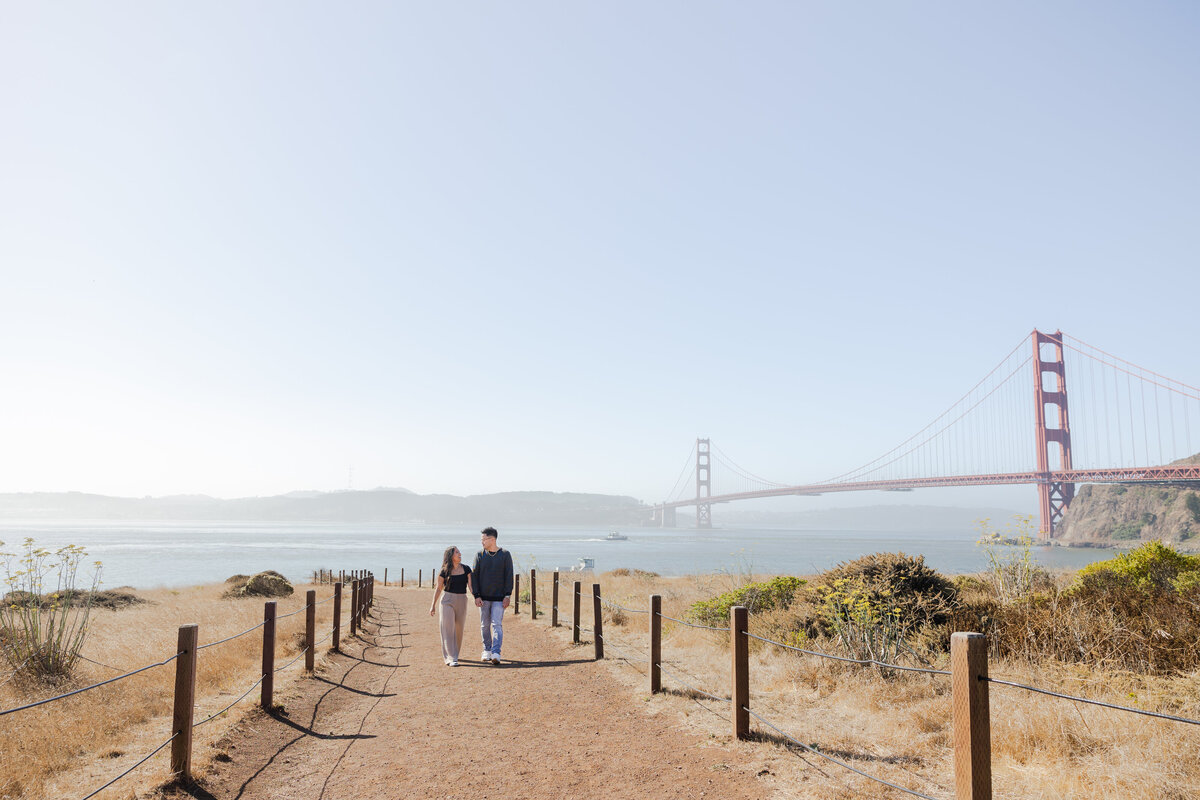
pixel 169 553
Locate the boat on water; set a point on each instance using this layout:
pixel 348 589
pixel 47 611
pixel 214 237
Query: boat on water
pixel 616 536
pixel 584 565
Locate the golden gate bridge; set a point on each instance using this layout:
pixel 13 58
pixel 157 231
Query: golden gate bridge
pixel 1131 426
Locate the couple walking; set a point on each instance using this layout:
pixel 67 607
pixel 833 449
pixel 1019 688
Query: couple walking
pixel 490 582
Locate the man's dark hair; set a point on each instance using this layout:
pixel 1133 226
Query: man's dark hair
pixel 490 532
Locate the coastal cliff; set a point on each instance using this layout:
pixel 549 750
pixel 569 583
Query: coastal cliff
pixel 1127 514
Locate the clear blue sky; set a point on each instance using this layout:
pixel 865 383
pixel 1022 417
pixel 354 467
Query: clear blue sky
pixel 478 247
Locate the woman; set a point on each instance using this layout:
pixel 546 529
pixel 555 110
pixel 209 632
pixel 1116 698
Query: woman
pixel 452 583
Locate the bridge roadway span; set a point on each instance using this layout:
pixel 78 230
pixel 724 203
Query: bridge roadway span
pixel 1186 474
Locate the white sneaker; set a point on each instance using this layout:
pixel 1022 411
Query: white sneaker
pixel 485 656
pixel 452 663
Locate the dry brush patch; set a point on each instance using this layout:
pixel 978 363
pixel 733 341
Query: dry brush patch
pixel 69 747
pixel 898 727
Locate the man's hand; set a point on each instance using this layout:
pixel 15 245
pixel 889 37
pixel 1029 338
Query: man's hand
pixel 478 603
pixel 506 602
pixel 431 612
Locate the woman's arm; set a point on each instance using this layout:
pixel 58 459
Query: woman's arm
pixel 437 592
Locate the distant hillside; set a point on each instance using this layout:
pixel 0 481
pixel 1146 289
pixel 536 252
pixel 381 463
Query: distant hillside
pixel 1120 514
pixel 379 505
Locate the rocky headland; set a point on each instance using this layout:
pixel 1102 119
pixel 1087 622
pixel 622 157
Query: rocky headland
pixel 1129 514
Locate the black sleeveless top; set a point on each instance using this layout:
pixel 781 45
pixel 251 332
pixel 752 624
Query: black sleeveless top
pixel 457 584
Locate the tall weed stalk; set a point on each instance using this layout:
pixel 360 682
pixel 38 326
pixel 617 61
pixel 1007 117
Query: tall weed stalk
pixel 42 629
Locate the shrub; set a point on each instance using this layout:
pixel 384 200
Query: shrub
pixel 779 592
pixel 921 593
pixel 1192 503
pixel 1014 574
pixel 1127 531
pixel 1152 567
pixel 43 631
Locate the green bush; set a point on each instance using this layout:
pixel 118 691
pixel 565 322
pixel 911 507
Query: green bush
pixel 921 593
pixel 1192 502
pixel 1153 567
pixel 1127 531
pixel 779 592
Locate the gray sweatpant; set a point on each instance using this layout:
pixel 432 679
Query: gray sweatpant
pixel 452 612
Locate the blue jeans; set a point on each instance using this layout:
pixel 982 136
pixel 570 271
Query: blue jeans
pixel 491 625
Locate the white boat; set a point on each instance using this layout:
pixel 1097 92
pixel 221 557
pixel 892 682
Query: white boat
pixel 616 536
pixel 584 565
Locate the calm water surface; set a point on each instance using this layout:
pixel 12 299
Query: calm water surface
pixel 148 554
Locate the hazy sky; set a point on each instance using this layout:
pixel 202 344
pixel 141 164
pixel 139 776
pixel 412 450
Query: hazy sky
pixel 476 247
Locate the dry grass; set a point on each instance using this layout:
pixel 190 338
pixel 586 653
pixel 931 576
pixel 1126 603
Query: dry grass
pixel 899 728
pixel 69 747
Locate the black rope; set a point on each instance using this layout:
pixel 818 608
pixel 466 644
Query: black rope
pixel 860 661
pixel 131 769
pixel 97 663
pixel 88 688
pixel 231 638
pixel 623 608
pixel 253 686
pixel 817 752
pixel 1091 702
pixel 293 661
pixel 693 625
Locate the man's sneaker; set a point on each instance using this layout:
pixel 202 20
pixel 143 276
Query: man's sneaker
pixel 485 656
pixel 453 663
pixel 495 659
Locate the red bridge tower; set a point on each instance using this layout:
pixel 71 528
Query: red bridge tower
pixel 1053 496
pixel 703 485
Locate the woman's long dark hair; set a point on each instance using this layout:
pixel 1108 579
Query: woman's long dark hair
pixel 448 562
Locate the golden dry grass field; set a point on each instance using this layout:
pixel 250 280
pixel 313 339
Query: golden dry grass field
pixel 899 728
pixel 896 728
pixel 70 747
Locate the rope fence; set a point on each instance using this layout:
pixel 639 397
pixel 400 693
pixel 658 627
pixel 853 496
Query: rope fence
pixel 865 662
pixel 186 660
pixel 231 638
pixel 968 673
pixel 211 717
pixel 1100 703
pixel 816 752
pixel 65 695
pixel 148 756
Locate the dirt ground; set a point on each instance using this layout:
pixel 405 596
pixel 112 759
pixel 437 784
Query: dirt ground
pixel 387 719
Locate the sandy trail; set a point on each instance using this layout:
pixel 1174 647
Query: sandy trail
pixel 387 719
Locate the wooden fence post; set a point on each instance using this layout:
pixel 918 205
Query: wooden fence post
pixel 310 629
pixel 597 621
pixel 353 607
pixel 402 577
pixel 972 719
pixel 337 617
pixel 655 643
pixel 578 589
pixel 420 579
pixel 554 602
pixel 268 656
pixel 533 594
pixel 185 702
pixel 739 648
pixel 517 594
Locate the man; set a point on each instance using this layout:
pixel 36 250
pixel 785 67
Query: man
pixel 492 585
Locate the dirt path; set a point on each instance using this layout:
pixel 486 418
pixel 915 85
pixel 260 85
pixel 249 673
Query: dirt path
pixel 388 719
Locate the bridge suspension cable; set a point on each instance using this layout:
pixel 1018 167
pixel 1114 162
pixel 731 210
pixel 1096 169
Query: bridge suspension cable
pixel 959 441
